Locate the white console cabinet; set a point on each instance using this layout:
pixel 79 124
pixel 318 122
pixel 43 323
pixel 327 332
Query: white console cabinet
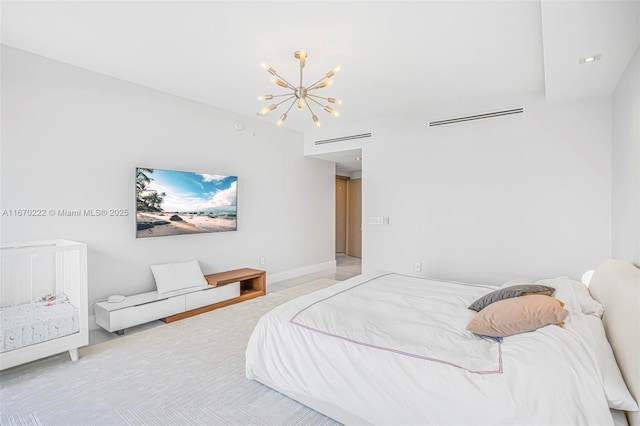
pixel 224 289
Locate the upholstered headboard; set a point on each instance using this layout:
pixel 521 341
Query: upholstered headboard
pixel 616 285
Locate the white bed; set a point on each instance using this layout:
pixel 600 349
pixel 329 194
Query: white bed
pixel 393 349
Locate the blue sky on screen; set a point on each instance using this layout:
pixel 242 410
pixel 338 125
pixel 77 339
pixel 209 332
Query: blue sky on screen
pixel 194 192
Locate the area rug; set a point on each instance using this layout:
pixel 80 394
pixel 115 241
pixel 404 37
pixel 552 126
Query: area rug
pixel 189 372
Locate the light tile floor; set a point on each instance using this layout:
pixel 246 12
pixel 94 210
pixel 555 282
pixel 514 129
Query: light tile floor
pixel 346 267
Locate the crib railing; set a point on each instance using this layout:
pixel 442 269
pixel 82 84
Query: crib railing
pixel 42 269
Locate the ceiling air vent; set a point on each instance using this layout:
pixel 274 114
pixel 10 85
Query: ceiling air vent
pixel 343 138
pixel 477 117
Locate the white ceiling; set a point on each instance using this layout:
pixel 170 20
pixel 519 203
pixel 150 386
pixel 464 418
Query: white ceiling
pixel 576 29
pixel 395 56
pixel 347 161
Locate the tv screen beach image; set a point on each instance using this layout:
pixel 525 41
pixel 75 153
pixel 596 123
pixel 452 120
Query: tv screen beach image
pixel 172 202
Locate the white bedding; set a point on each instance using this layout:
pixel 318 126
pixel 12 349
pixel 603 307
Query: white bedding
pixel 28 324
pixel 394 350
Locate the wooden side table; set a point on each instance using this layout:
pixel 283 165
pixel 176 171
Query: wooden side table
pixel 252 284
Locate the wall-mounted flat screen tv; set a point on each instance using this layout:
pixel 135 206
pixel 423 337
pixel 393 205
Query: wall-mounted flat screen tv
pixel 170 202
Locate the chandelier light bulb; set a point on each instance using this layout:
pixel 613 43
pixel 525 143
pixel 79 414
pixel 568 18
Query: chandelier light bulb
pixel 281 119
pixel 267 110
pixel 331 111
pixel 322 84
pixel 301 55
pixel 333 72
pixel 269 69
pixel 300 94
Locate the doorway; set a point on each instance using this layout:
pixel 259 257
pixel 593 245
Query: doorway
pixel 341 214
pixel 349 216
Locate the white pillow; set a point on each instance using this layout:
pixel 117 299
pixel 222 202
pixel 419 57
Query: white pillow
pixel 575 295
pixel 618 395
pixel 177 276
pixel 590 306
pixel 564 292
pixel 517 281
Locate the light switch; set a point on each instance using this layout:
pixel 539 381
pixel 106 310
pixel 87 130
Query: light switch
pixel 376 220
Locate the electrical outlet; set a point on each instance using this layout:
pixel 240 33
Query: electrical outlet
pixel 262 261
pixel 417 266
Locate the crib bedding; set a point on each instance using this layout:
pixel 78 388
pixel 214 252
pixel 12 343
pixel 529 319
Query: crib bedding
pixel 340 347
pixel 29 324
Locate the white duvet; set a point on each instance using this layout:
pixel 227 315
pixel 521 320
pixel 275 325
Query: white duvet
pixel 394 350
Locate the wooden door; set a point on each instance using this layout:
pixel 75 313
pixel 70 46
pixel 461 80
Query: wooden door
pixel 341 214
pixel 354 218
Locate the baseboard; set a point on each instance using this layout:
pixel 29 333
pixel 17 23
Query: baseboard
pixel 293 273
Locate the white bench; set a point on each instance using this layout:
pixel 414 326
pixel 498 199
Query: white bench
pixel 151 306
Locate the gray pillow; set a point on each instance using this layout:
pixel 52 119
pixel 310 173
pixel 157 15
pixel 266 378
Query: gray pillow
pixel 509 292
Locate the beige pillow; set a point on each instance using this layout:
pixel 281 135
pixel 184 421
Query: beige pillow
pixel 517 315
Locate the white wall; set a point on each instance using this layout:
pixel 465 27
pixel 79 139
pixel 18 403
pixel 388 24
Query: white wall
pixel 626 164
pixel 518 196
pixel 71 139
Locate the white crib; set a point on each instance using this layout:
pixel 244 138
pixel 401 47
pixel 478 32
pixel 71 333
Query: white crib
pixel 43 300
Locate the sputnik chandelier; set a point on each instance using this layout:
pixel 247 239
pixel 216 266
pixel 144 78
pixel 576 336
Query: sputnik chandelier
pixel 300 95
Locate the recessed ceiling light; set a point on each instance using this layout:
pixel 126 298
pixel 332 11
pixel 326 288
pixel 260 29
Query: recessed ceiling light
pixel 589 59
pixel 359 158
